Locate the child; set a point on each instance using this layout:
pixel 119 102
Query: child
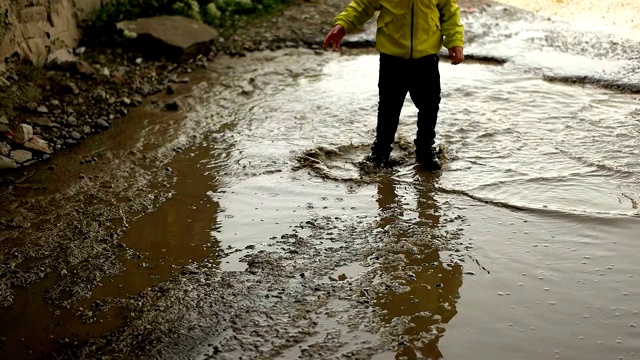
pixel 410 33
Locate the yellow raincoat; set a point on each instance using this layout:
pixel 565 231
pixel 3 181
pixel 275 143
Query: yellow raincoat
pixel 408 28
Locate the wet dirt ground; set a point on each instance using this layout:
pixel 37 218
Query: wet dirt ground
pixel 250 227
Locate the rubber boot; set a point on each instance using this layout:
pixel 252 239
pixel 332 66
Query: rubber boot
pixel 428 158
pixel 380 153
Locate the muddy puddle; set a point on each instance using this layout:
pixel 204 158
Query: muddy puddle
pixel 524 246
pixel 543 175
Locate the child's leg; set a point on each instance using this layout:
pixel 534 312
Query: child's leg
pixel 393 86
pixel 425 93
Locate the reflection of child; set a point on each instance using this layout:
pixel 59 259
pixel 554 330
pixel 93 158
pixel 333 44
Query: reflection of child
pixel 410 34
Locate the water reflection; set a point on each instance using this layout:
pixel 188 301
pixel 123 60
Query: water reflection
pixel 430 286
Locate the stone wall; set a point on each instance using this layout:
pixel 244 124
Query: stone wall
pixel 34 28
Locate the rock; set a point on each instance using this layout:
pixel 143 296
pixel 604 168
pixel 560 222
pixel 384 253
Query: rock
pixel 86 129
pixel 11 77
pixel 70 88
pixel 99 94
pixel 4 83
pixel 21 156
pixel 139 61
pixel 105 72
pixel 55 102
pixel 72 121
pixel 81 50
pixel 3 120
pixel 62 59
pixel 125 101
pixel 4 149
pixel 32 106
pixel 23 133
pixel 38 145
pixel 83 68
pixel 175 38
pixel 170 90
pixel 76 135
pixel 172 105
pixel 102 124
pixel 42 121
pixel 6 163
pixel 42 109
pixel 3 68
pixel 4 129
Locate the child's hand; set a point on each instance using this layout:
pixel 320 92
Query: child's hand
pixel 456 55
pixel 334 37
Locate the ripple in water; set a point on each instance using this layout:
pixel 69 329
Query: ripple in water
pixel 348 163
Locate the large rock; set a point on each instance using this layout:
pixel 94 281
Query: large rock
pixel 175 38
pixel 6 163
pixel 38 145
pixel 33 29
pixel 21 156
pixel 23 133
pixel 62 59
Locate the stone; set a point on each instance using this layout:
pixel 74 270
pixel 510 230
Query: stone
pixel 176 38
pixel 4 149
pixel 3 120
pixel 42 121
pixel 86 129
pixel 99 94
pixel 125 101
pixel 62 59
pixel 85 69
pixel 21 156
pixel 6 163
pixel 105 72
pixel 102 124
pixel 70 88
pixel 38 145
pixel 80 50
pixel 72 121
pixel 23 133
pixel 4 129
pixel 4 83
pixel 170 90
pixel 42 109
pixel 3 68
pixel 76 135
pixel 172 105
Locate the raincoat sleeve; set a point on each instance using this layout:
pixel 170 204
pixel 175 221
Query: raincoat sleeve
pixel 356 14
pixel 452 28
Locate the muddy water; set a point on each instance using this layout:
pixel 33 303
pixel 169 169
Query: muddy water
pixel 544 176
pixel 522 247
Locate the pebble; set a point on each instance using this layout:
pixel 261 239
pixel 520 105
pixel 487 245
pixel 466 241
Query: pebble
pixel 172 105
pixel 4 149
pixel 102 124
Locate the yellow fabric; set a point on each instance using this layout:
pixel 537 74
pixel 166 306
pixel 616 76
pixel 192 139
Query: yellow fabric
pixel 436 23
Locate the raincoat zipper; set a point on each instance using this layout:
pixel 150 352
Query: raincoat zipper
pixel 412 15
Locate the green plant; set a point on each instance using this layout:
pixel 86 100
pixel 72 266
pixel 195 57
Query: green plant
pixel 223 14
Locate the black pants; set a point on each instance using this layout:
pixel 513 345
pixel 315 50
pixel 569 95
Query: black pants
pixel 421 79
